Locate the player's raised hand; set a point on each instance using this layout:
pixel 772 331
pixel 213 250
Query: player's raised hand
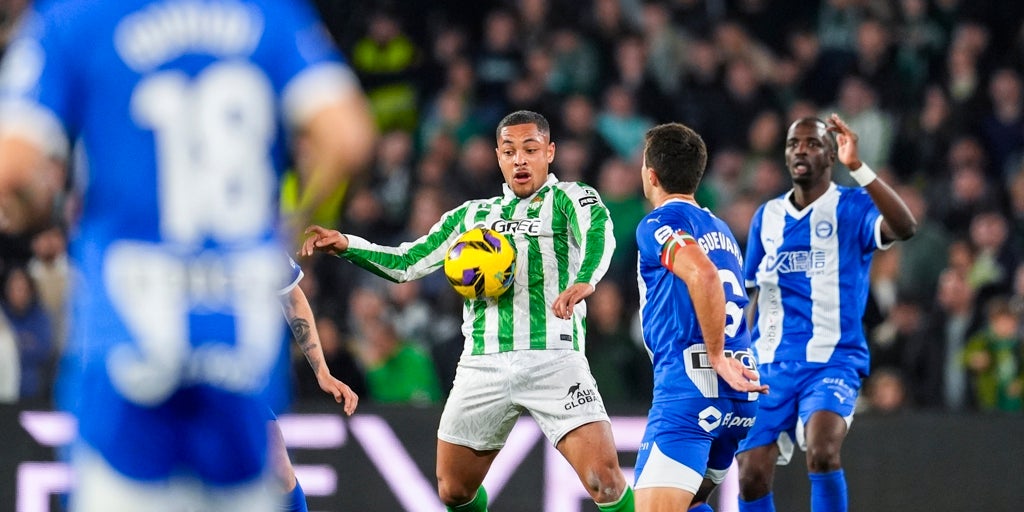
pixel 568 299
pixel 846 142
pixel 320 239
pixel 340 391
pixel 739 377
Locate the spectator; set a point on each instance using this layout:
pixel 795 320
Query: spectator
pixel 34 334
pixel 10 363
pixel 49 272
pixel 397 371
pixel 620 124
pixel 994 357
pixel 885 391
pixel 622 192
pixel 385 59
pixel 1002 125
pixel 923 257
pixel 619 362
pixel 951 323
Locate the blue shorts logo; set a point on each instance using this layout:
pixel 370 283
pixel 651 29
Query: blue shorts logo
pixel 709 418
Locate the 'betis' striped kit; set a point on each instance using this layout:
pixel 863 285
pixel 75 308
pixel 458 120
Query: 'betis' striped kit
pixel 562 235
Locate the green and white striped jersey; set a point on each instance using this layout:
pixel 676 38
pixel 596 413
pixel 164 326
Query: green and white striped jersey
pixel 562 235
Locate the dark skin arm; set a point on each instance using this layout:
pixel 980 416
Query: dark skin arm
pixel 897 221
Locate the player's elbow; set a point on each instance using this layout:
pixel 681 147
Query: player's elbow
pixel 905 230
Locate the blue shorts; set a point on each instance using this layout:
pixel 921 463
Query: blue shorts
pixel 691 439
pixel 798 390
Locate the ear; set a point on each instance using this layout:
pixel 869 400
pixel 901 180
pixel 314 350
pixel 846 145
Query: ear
pixel 551 152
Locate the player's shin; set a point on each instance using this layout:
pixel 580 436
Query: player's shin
pixel 765 503
pixel 623 504
pixel 477 504
pixel 828 491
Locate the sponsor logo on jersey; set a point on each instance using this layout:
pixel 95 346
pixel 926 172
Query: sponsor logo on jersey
pixel 529 227
pixel 588 200
pixel 796 261
pixel 578 395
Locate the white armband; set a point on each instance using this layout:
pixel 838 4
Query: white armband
pixel 864 175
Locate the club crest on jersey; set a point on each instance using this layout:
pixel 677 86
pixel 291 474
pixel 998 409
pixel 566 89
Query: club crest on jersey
pixel 577 396
pixel 824 229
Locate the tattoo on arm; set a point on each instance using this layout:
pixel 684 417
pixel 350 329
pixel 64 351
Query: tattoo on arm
pixel 302 332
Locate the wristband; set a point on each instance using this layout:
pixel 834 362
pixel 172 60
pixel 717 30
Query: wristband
pixel 864 175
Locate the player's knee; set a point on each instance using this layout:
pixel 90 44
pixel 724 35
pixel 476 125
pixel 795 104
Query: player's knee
pixel 754 484
pixel 605 483
pixel 454 493
pixel 823 459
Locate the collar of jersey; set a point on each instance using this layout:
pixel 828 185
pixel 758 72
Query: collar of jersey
pixel 798 214
pixel 552 179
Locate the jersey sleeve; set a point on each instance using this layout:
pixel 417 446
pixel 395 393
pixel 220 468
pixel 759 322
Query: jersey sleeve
pixel 294 276
pixel 590 225
pixel 755 250
pixel 36 84
pixel 307 67
pixel 869 221
pixel 659 240
pixel 411 260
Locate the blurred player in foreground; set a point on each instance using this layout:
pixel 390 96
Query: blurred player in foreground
pixel 691 310
pixel 808 255
pixel 180 109
pixel 524 349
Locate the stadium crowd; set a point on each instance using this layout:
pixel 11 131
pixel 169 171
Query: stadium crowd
pixel 935 88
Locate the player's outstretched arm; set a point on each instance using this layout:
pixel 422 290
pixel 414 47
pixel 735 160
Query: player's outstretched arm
pixel 300 318
pixel 320 239
pixel 707 293
pixel 897 221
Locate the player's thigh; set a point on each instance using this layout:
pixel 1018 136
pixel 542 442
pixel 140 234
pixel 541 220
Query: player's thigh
pixel 777 412
pixel 829 389
pixel 479 412
pixel 676 443
pixel 558 390
pixel 734 429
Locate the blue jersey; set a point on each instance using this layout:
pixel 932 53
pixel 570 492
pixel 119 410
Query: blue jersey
pixel 180 108
pixel 670 328
pixel 811 270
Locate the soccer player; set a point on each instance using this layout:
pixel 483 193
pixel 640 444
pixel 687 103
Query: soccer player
pixel 808 255
pixel 179 110
pixel 303 326
pixel 524 350
pixel 691 311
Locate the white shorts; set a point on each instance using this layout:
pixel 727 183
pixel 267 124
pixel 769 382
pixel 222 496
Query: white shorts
pixel 100 488
pixel 492 390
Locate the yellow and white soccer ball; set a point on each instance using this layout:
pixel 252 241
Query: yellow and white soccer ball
pixel 480 264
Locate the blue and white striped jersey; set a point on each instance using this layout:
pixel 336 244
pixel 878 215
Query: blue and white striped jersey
pixel 811 270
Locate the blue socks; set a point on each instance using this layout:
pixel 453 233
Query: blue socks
pixel 703 507
pixel 765 503
pixel 295 501
pixel 828 491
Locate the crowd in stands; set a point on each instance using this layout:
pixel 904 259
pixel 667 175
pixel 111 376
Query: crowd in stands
pixel 934 88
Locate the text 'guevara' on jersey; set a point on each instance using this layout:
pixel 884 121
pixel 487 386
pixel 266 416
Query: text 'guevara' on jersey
pixel 671 332
pixel 811 270
pixel 562 235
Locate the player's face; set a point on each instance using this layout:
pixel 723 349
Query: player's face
pixel 809 155
pixel 524 154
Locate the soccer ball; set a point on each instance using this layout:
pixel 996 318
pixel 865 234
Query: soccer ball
pixel 480 264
